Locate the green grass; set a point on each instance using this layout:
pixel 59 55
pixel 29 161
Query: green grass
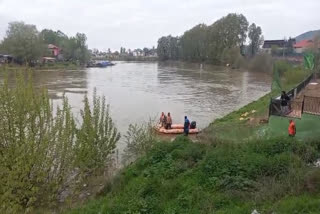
pixel 183 177
pixel 307 127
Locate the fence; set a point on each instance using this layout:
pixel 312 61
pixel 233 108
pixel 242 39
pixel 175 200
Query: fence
pixel 311 105
pixel 275 103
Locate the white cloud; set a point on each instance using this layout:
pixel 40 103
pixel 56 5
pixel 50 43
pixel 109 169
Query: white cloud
pixel 139 23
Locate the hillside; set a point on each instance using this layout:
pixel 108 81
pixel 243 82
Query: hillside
pixel 308 35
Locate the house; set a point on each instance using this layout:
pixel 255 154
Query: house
pixel 279 44
pixel 303 45
pixel 55 51
pixel 6 58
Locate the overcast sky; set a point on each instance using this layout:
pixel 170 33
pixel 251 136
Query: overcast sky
pixel 139 23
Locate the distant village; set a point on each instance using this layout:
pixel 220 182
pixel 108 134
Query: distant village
pixel 124 54
pixel 55 54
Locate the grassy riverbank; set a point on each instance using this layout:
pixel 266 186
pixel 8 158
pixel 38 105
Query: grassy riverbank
pixel 235 167
pixel 272 175
pixel 54 66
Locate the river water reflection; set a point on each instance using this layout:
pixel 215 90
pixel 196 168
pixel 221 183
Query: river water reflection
pixel 139 91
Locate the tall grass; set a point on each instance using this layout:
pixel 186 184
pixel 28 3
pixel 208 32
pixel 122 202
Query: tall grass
pixel 183 177
pixel 40 150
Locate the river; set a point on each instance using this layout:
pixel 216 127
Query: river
pixel 138 91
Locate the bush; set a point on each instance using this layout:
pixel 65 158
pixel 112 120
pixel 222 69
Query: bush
pixel 40 151
pixel 261 63
pixel 295 75
pixel 139 139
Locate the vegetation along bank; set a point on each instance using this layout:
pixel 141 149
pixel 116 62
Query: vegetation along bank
pixel 237 166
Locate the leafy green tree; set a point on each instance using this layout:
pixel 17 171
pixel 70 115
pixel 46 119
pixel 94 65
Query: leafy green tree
pixel 73 48
pixel 53 37
pixel 228 32
pixel 97 137
pixel 22 40
pixel 194 43
pixel 168 48
pixel 255 37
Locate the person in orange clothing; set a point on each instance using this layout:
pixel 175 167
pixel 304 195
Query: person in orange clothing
pixel 292 128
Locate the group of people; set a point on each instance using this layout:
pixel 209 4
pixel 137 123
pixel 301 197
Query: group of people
pixel 166 122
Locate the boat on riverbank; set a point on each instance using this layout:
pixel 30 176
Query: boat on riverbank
pixel 99 64
pixel 175 129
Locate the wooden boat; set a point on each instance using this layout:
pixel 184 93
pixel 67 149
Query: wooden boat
pixel 176 129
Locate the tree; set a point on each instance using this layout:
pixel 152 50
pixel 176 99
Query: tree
pixel 168 48
pixel 228 32
pixel 194 43
pixel 23 41
pixel 255 38
pixel 203 43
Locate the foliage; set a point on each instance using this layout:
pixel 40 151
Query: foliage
pixel 227 32
pixel 314 49
pixel 295 75
pixel 139 140
pixel 194 43
pixel 168 48
pixel 261 63
pixel 255 38
pixel 97 136
pixel 206 43
pixel 23 41
pixel 73 48
pixel 27 45
pixel 183 177
pixel 290 75
pixel 41 148
pixel 233 57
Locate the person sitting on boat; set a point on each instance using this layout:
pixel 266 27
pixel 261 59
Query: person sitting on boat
pixel 186 126
pixel 169 121
pixel 164 121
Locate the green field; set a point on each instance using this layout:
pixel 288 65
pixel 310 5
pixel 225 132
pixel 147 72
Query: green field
pixel 308 127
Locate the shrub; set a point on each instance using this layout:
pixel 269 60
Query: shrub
pixel 97 136
pixel 40 150
pixel 261 63
pixel 295 75
pixel 139 139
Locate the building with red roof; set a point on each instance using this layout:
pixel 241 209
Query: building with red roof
pixel 303 45
pixel 55 51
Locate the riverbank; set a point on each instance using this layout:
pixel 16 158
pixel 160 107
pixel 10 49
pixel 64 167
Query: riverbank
pixel 225 173
pixel 55 66
pixel 236 166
